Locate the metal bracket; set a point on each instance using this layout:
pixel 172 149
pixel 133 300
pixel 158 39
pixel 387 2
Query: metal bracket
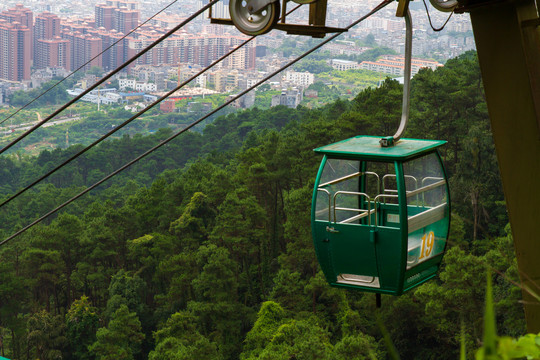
pixel 387 141
pixel 254 6
pixel 530 23
pixel 402 8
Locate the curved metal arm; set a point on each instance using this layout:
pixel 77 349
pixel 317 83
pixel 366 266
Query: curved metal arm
pixel 390 141
pixel 407 79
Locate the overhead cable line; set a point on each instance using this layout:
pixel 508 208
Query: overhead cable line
pixel 117 128
pixel 88 62
pixel 105 78
pixel 170 138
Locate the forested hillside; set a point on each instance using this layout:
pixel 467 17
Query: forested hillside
pixel 203 250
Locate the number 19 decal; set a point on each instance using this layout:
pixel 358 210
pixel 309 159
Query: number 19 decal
pixel 428 242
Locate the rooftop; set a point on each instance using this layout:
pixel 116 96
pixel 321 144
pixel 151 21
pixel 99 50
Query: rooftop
pixel 368 147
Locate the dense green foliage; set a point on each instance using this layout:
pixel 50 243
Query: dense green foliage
pixel 203 250
pixel 53 94
pixel 316 62
pixel 313 66
pixel 502 347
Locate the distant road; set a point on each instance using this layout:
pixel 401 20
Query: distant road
pixel 24 127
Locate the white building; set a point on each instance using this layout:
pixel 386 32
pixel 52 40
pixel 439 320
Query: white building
pixel 201 81
pixel 290 98
pixel 303 79
pixel 136 85
pixel 101 96
pixel 395 64
pixel 382 67
pixel 343 65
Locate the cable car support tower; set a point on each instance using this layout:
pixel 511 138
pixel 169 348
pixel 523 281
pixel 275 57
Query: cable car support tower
pixel 507 36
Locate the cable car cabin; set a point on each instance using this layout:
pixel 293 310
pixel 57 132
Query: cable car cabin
pixel 380 216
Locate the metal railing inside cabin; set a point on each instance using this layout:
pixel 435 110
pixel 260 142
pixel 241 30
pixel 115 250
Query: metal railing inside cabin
pixel 332 206
pixel 416 221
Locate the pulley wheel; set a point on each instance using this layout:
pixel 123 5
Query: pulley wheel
pixel 257 23
pixel 304 1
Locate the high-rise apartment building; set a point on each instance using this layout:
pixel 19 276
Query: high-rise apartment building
pixel 119 53
pixel 84 48
pixel 131 5
pixel 87 48
pixel 219 10
pixel 116 54
pixel 194 49
pixel 52 53
pixel 104 16
pixel 19 14
pixel 46 27
pixel 122 16
pixel 16 50
pixel 125 20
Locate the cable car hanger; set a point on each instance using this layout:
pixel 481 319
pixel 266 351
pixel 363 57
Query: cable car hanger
pixel 391 140
pixel 403 11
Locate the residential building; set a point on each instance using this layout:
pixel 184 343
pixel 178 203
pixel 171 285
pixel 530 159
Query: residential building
pixel 167 105
pixel 22 18
pixel 290 98
pixel 416 64
pixel 86 50
pixel 343 65
pixel 395 65
pixel 46 26
pixel 125 20
pixel 202 49
pixel 122 16
pixel 382 67
pixel 243 102
pixel 302 79
pixel 219 10
pixel 16 52
pixel 104 16
pixel 50 53
pixel 19 14
pixel 138 86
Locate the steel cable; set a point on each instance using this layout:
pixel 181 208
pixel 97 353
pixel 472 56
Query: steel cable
pixel 117 128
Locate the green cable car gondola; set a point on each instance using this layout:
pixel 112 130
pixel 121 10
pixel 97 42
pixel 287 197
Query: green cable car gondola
pixel 381 208
pixel 380 215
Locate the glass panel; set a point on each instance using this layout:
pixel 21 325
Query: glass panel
pixel 338 176
pixel 385 195
pixel 348 189
pixel 427 208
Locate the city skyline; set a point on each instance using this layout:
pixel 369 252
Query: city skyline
pixel 40 40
